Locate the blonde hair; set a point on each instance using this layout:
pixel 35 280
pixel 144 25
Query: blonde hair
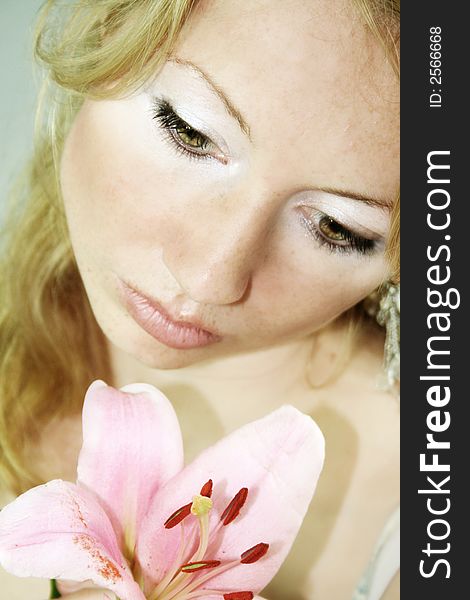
pixel 51 347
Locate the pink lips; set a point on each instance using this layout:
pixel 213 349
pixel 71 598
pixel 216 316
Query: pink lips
pixel 155 320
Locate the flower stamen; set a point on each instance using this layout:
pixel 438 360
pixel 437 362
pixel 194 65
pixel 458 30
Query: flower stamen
pixel 185 581
pixel 254 554
pixel 192 567
pixel 207 489
pixel 178 516
pixel 229 596
pixel 233 509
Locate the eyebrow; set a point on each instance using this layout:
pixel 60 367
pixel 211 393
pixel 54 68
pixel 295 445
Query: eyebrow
pixel 231 109
pixel 369 200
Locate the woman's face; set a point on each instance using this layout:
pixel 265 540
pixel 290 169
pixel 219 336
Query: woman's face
pixel 247 189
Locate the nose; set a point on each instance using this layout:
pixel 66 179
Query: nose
pixel 213 259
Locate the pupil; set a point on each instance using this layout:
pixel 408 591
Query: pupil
pixel 190 137
pixel 332 229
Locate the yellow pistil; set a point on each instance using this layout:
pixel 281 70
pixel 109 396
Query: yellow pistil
pixel 201 506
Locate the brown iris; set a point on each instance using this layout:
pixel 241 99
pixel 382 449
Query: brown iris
pixel 190 137
pixel 332 230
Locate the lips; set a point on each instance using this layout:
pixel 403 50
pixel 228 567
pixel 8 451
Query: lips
pixel 156 321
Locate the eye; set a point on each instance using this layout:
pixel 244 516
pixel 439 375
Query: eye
pixel 332 230
pixel 181 135
pixel 191 137
pixel 336 237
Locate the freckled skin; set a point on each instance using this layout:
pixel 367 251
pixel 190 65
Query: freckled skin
pixel 226 242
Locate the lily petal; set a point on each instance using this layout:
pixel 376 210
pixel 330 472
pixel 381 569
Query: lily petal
pixel 132 445
pixel 279 458
pixel 60 531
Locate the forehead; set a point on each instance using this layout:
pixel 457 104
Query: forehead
pixel 310 80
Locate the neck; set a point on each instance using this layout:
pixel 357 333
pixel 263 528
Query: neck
pixel 214 398
pixel 249 384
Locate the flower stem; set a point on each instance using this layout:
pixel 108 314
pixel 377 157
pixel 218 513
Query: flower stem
pixel 54 593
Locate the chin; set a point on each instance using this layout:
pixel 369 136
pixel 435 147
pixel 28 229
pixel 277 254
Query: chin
pixel 168 359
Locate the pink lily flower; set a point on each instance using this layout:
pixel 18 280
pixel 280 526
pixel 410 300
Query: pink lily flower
pixel 139 524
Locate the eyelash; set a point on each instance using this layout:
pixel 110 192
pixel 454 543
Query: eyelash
pixel 169 122
pixel 353 242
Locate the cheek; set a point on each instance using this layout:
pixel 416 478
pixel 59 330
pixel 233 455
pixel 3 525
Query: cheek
pixel 301 291
pixel 116 197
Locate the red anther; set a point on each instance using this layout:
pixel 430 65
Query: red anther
pixel 207 489
pixel 178 516
pixel 199 566
pixel 233 509
pixel 239 596
pixel 254 554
